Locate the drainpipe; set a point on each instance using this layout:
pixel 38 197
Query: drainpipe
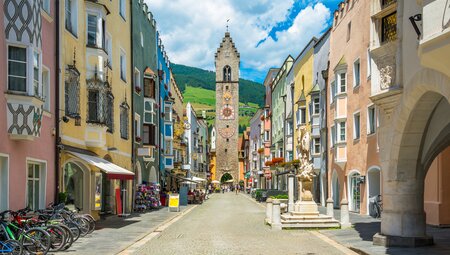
pixel 284 132
pixel 58 82
pixel 325 77
pixel 132 108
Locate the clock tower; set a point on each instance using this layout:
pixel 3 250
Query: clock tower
pixel 227 60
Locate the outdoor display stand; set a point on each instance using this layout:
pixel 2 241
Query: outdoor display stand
pixel 147 197
pixel 183 195
pixel 174 203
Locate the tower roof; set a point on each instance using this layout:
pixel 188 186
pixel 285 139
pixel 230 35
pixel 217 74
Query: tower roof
pixel 225 40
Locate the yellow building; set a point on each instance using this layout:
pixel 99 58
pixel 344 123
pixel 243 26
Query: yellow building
pixel 301 77
pixel 95 99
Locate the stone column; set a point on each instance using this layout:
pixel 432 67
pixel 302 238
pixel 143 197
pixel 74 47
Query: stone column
pixel 345 217
pixel 291 204
pixel 330 207
pixel 276 217
pixel 269 208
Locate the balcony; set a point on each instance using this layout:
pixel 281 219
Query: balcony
pixel 168 162
pixel 24 116
pixel 148 153
pixel 340 154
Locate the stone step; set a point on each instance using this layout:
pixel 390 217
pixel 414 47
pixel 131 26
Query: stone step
pixel 307 217
pixel 311 225
pixel 309 221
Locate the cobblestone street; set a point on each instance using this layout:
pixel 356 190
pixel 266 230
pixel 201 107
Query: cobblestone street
pixel 233 224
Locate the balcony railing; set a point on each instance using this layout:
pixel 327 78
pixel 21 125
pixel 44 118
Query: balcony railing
pixel 389 28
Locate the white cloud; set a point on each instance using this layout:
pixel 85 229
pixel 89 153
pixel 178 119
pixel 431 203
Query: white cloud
pixel 191 30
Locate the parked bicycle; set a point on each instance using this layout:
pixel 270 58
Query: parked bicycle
pixel 376 206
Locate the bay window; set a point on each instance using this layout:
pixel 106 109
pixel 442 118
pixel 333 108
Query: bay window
pixel 17 69
pixel 124 118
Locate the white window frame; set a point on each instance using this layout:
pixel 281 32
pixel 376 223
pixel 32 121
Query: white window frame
pixel 316 107
pixel 39 72
pixel 169 107
pixel 338 131
pixel 74 17
pixel 122 9
pixel 339 82
pixel 137 78
pixel 266 135
pixel 97 34
pixel 46 6
pixel 302 120
pixel 42 181
pixel 123 65
pixel 137 126
pixel 357 83
pixel 26 62
pixel 46 88
pixel 355 128
pixel 333 135
pixel 316 143
pixel 369 64
pixel 152 111
pixel 333 91
pixel 108 48
pixel 369 108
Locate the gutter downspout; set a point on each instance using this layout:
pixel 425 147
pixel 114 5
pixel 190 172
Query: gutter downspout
pixel 57 103
pixel 132 108
pixel 325 77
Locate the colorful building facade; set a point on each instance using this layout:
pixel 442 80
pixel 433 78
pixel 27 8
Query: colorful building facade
pixel 27 109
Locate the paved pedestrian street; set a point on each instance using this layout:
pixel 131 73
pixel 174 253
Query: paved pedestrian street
pixel 233 224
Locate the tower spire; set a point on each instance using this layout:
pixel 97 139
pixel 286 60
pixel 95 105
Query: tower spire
pixel 228 20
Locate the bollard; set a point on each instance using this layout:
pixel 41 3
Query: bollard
pixel 276 217
pixel 269 208
pixel 345 217
pixel 330 207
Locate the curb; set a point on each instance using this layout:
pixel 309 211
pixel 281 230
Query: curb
pixel 251 199
pixel 155 232
pixel 340 247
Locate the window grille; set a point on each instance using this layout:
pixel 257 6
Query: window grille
pixel 124 120
pixel 389 28
pixel 99 94
pixel 149 88
pixel 72 92
pixel 227 73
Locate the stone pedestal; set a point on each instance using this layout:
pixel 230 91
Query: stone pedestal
pixel 307 208
pixel 330 207
pixel 345 217
pixel 276 217
pixel 269 210
pixel 291 192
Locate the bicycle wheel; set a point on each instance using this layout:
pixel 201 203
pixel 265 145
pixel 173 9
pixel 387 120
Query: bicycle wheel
pixel 69 237
pixel 57 237
pixel 83 224
pixel 12 247
pixel 36 241
pixel 91 221
pixel 74 229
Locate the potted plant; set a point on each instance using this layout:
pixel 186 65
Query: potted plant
pixel 138 89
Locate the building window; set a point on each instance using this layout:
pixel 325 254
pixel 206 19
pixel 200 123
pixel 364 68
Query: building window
pixel 333 136
pixel 369 64
pixel 92 30
pixel 149 112
pixel 333 91
pixel 266 135
pixel 137 80
pixel 341 131
pixel 99 94
pixel 389 28
pixel 301 116
pixel 316 144
pixel 137 127
pixel 110 113
pixel 342 82
pixel 167 112
pixel 71 12
pixel 108 49
pixel 371 120
pixel 122 8
pixel 46 6
pixel 72 92
pixel 316 105
pixel 149 134
pixel 17 69
pixel 34 190
pixel 356 126
pixel 227 73
pixel 356 73
pixel 149 87
pixel 124 120
pixel 266 113
pixel 46 88
pixel 36 71
pixel 349 31
pixel 123 66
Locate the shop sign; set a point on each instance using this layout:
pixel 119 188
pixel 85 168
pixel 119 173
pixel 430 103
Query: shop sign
pixel 174 202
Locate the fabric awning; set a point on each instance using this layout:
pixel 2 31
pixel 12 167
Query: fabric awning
pixel 197 179
pixel 111 170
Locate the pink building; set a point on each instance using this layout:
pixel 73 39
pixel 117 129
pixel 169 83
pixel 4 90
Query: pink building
pixel 354 168
pixel 27 104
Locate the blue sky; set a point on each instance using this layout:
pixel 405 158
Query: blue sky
pixel 264 31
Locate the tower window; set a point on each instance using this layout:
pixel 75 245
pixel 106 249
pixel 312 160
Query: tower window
pixel 227 73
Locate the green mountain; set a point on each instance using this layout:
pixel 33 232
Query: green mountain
pixel 249 91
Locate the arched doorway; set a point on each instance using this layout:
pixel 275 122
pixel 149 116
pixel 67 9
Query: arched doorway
pixel 226 177
pixel 354 191
pixel 373 183
pixel 74 185
pixel 153 177
pixel 335 189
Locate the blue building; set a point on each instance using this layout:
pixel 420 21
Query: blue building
pixel 165 107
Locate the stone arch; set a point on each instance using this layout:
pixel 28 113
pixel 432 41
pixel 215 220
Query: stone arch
pixel 335 189
pixel 138 173
pixel 410 144
pixel 354 200
pixel 86 181
pixel 153 176
pixel 373 183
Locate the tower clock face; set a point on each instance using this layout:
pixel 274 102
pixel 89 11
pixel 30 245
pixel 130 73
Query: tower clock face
pixel 227 112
